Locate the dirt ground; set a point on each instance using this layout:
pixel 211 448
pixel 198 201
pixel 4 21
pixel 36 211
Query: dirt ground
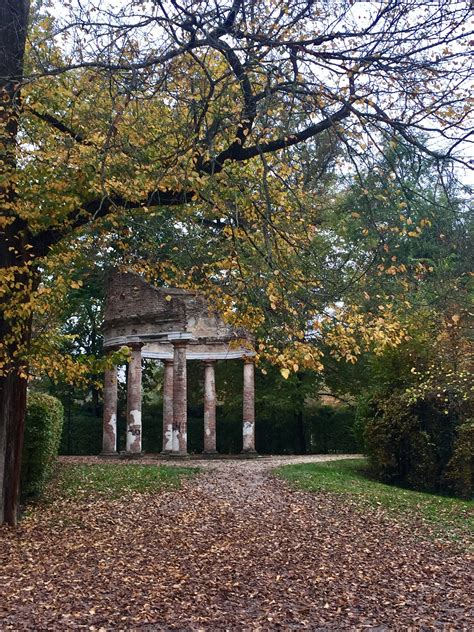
pixel 233 549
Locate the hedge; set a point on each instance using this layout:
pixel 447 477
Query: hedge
pixel 44 422
pixel 420 445
pixel 278 431
pixel 459 474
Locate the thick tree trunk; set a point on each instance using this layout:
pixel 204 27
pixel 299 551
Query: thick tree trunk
pixel 15 335
pixel 12 420
pixel 15 253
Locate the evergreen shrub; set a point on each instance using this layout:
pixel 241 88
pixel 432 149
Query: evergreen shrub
pixel 419 445
pixel 459 474
pixel 44 422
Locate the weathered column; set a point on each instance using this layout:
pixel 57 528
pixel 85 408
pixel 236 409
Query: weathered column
pixel 209 408
pixel 134 403
pixel 109 428
pixel 249 408
pixel 168 407
pixel 180 412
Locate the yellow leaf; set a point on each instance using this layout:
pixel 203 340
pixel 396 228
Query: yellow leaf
pixel 285 373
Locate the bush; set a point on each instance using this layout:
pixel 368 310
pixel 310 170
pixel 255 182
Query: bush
pixel 44 421
pixel 459 474
pixel 418 445
pixel 399 448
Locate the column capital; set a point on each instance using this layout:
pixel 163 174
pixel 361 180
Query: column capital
pixel 179 343
pixel 180 337
pixel 209 362
pixel 135 346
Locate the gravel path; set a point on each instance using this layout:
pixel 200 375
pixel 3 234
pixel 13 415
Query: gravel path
pixel 234 549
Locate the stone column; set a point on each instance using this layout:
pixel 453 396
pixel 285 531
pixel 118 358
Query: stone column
pixel 209 408
pixel 249 408
pixel 109 428
pixel 134 403
pixel 180 412
pixel 168 407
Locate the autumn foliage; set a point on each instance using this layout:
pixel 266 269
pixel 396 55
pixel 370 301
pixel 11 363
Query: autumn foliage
pixel 224 123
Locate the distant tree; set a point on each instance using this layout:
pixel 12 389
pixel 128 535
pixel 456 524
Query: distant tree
pixel 180 106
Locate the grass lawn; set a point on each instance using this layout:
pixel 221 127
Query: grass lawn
pixel 446 518
pixel 113 481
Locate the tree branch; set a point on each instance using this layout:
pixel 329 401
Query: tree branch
pixel 60 126
pixel 239 154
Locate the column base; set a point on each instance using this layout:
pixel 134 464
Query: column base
pixel 177 455
pixel 109 454
pixel 210 454
pixel 131 455
pixel 249 454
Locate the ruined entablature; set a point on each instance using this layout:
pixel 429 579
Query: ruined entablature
pixel 138 313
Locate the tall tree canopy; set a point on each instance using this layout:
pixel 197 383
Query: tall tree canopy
pixel 209 111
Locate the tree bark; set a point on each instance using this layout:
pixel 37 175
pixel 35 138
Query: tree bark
pixel 15 241
pixel 12 415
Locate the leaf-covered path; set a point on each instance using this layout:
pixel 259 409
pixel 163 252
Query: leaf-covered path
pixel 233 549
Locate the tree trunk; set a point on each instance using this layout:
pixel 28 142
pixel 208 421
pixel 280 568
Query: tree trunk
pixel 15 255
pixel 12 425
pixel 15 336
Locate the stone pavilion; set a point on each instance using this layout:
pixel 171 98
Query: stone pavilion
pixel 173 326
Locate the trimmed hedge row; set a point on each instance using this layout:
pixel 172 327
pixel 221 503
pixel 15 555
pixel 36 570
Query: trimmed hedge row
pixel 44 424
pixel 325 430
